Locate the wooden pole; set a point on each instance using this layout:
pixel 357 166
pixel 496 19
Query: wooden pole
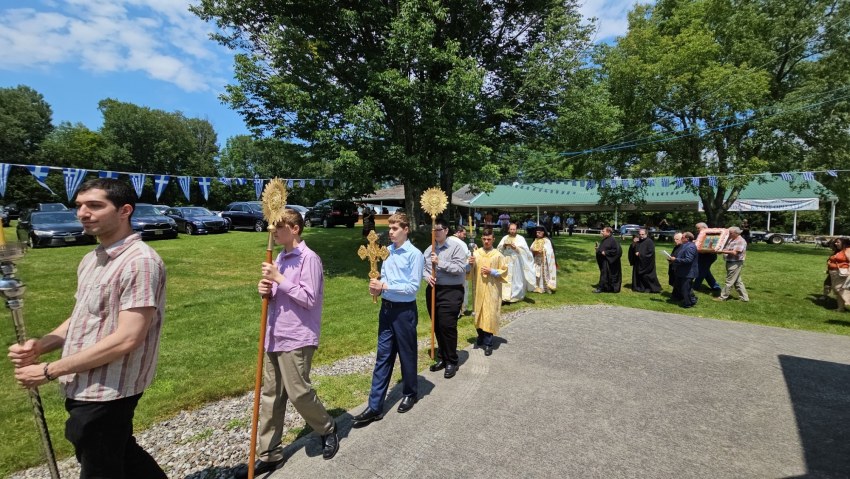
pixel 433 275
pixel 258 380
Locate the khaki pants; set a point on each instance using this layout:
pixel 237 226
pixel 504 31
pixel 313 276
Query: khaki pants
pixel 733 279
pixel 286 375
pixel 841 294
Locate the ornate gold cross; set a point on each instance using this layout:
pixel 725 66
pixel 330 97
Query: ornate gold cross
pixel 373 252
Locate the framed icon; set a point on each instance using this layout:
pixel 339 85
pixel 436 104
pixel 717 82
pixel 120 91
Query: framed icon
pixel 712 239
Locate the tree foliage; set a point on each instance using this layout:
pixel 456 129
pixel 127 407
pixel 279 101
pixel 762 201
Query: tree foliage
pixel 730 88
pixel 415 91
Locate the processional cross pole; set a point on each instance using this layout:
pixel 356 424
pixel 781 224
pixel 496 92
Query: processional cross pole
pixel 274 203
pixel 373 252
pixel 13 290
pixel 434 202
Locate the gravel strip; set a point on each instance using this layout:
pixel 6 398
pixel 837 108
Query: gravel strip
pixel 206 443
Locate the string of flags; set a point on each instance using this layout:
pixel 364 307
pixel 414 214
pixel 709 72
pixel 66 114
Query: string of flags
pixel 74 177
pixel 667 181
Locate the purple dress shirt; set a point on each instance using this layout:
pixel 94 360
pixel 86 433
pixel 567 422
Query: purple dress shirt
pixel 295 307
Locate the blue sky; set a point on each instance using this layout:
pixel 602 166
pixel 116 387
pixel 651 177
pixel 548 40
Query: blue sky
pixel 152 53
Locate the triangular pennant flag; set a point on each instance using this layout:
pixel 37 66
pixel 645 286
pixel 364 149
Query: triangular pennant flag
pixel 159 183
pixel 185 186
pixel 240 181
pixel 603 183
pixel 138 180
pixel 712 181
pixel 301 183
pixel 808 175
pixel 786 176
pixel 574 182
pixel 832 173
pixel 637 183
pixel 224 181
pixel 4 176
pixel 312 182
pixel 112 175
pixel 290 184
pixel 695 181
pixel 204 183
pixel 40 174
pixel 73 179
pixel 650 181
pixel 680 182
pixel 665 182
pixel 332 182
pixel 258 187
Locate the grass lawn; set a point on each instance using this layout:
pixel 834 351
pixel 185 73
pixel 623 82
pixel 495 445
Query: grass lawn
pixel 209 339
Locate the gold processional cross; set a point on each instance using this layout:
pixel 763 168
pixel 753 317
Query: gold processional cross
pixel 373 252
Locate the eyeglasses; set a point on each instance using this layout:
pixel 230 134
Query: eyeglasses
pixel 439 229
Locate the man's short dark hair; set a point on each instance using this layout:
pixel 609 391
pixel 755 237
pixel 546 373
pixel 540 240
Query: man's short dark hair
pixel 487 232
pixel 442 223
pixel 118 193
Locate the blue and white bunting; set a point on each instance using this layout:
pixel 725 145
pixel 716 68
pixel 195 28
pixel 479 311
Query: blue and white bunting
pixel 301 183
pixel 224 181
pixel 786 176
pixel 112 175
pixel 40 174
pixel 680 182
pixel 290 183
pixel 665 182
pixel 258 187
pixel 74 177
pixel 159 184
pixel 637 183
pixel 650 181
pixel 204 184
pixel 186 186
pixel 4 176
pixel 240 181
pixel 832 173
pixel 808 175
pixel 312 182
pixel 138 180
pixel 695 181
pixel 712 181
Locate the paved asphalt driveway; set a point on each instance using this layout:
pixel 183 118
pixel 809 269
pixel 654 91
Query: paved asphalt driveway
pixel 609 392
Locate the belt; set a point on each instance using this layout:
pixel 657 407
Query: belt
pixel 447 286
pixel 385 303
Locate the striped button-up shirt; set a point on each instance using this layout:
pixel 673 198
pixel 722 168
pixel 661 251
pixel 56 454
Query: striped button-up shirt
pixel 128 274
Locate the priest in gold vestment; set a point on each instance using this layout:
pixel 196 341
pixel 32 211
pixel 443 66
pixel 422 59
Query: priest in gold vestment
pixel 487 273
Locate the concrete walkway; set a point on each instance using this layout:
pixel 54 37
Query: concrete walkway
pixel 609 392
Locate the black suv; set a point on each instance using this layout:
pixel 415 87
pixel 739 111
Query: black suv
pixel 245 214
pixel 330 213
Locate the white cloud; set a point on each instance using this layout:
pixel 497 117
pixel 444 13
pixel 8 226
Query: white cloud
pixel 158 37
pixel 612 16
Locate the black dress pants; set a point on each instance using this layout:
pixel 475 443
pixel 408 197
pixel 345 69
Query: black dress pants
pixel 449 301
pixel 102 435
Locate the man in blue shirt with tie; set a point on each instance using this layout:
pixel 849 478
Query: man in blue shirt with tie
pixel 401 275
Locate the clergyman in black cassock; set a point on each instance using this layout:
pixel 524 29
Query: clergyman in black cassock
pixel 608 254
pixel 642 259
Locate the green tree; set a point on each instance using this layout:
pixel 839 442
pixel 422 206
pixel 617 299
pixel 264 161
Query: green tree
pixel 417 92
pixel 730 88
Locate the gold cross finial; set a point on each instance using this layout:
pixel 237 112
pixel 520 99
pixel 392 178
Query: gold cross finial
pixel 373 252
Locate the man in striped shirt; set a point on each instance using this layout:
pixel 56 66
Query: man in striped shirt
pixel 110 343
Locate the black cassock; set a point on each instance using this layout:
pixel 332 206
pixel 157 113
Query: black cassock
pixel 610 271
pixel 644 278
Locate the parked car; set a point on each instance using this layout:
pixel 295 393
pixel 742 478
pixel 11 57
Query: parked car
pixel 13 211
pixel 196 220
pixel 301 209
pixel 161 208
pixel 629 229
pixel 147 221
pixel 50 207
pixel 330 213
pixel 245 214
pixel 51 228
pixel 4 216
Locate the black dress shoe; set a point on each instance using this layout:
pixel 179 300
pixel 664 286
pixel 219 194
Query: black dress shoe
pixel 330 444
pixel 488 350
pixel 366 417
pixel 406 404
pixel 451 370
pixel 437 366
